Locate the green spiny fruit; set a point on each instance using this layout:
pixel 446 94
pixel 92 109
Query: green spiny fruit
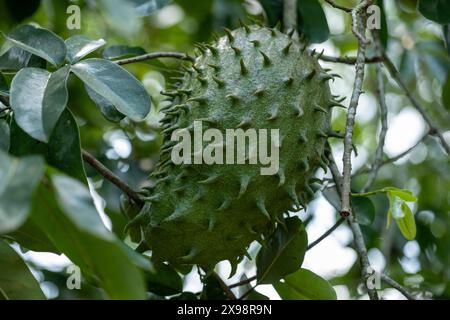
pixel 254 77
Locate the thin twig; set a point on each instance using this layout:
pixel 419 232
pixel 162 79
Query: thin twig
pixel 326 234
pixel 226 289
pixel 359 31
pixel 338 6
pixel 394 284
pixel 351 114
pixel 349 60
pixel 155 55
pixel 393 159
pixel 109 175
pixel 243 282
pixel 434 130
pixel 360 245
pixel 381 97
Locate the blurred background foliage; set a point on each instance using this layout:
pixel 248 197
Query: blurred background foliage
pixel 417 41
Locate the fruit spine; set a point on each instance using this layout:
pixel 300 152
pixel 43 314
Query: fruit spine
pixel 254 77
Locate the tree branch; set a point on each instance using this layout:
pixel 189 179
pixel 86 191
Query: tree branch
pixel 359 17
pixel 226 289
pixel 155 55
pixel 397 286
pixel 434 130
pixel 360 245
pixel 349 60
pixel 243 282
pixel 381 97
pixel 351 114
pixel 109 175
pixel 338 6
pixel 326 234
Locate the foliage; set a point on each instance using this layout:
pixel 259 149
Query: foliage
pixel 63 93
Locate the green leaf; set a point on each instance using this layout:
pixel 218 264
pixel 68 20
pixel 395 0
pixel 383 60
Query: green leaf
pixel 80 46
pixel 384 32
pixel 284 252
pixel 30 236
pixel 257 296
pixel 16 280
pixel 274 10
pixel 312 21
pixel 165 281
pixel 38 98
pixel 40 42
pixel 63 150
pixel 305 285
pixel 364 209
pixel 5 135
pixel 16 58
pixel 75 228
pixel 122 51
pixel 108 110
pixel 407 224
pixel 18 180
pixel 212 289
pixel 403 194
pixel 395 204
pixel 436 10
pixel 144 8
pixel 400 212
pixel 116 85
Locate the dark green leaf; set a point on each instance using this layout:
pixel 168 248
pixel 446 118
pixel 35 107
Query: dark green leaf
pixel 212 289
pixel 18 180
pixel 446 93
pixel 364 210
pixel 63 151
pixel 30 236
pixel 75 228
pixel 384 32
pixel 146 7
pixel 80 46
pixel 16 58
pixel 5 135
pixel 38 98
pixel 257 296
pixel 436 10
pixel 274 11
pixel 16 280
pixel 284 252
pixel 165 281
pixel 122 51
pixel 305 285
pixel 312 21
pixel 40 42
pixel 108 110
pixel 446 30
pixel 116 85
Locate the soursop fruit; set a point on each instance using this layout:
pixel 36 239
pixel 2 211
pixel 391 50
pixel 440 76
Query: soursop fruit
pixel 254 77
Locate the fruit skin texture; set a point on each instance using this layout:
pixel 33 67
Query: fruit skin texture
pixel 254 77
